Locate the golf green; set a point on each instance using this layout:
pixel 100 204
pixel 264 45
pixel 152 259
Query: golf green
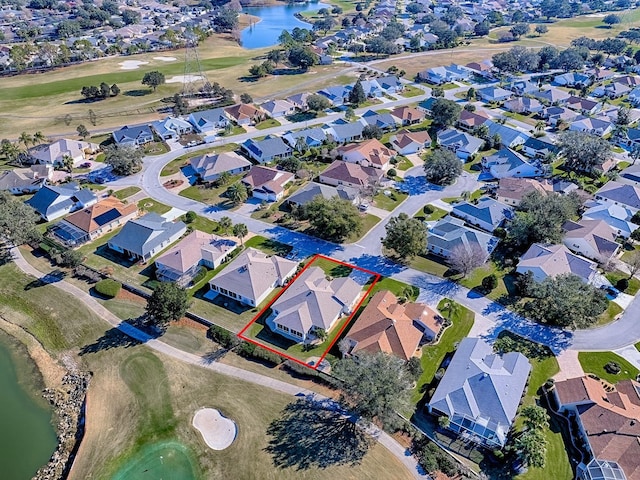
pixel 160 461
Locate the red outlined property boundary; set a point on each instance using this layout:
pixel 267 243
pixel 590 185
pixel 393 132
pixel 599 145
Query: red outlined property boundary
pixel 376 278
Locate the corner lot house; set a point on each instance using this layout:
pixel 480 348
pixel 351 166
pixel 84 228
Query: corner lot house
pixel 251 276
pixel 267 150
pixel 592 238
pixel 147 236
pixel 488 214
pixel 350 174
pixel 133 136
pixel 386 325
pixel 54 153
pixel 480 392
pixel 94 221
pixel 210 167
pixel 607 421
pixel 54 202
pixel 182 262
pixel 267 183
pixel 312 302
pixel 370 153
pixel 450 234
pixel 550 260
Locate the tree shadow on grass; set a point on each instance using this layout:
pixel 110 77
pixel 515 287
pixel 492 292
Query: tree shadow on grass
pixel 131 333
pixel 141 92
pixel 308 435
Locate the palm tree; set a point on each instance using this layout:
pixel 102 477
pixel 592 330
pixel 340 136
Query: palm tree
pixel 240 230
pixel 237 193
pixel 67 163
pixel 39 138
pixel 25 139
pixel 540 124
pixel 9 150
pixel 225 224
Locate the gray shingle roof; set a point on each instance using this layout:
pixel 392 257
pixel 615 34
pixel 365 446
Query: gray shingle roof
pixel 143 235
pixel 311 190
pixel 487 210
pixel 623 194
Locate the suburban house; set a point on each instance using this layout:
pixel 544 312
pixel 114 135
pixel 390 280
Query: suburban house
pixel 337 94
pixel 312 302
pixel 171 128
pixel 25 180
pixel 299 101
pixel 391 84
pixel 54 153
pixel 512 190
pixel 593 239
pixel 408 115
pixel 450 234
pixel 266 183
pixel 523 87
pixel 537 148
pixel 554 115
pixel 617 193
pixel 506 163
pixel 480 392
pixel 450 73
pixel 52 202
pixel 573 79
pixel 267 150
pixel 278 108
pixel 144 237
pixel 133 136
pixel 468 121
pixel 483 68
pixel 350 174
pixel 583 105
pixel 460 143
pixel 343 132
pixel 312 189
pixel 606 417
pixel 370 153
pixel 551 95
pixel 209 121
pixel 182 262
pixel 617 217
pixel 302 139
pixel 252 276
pixel 593 125
pixel 372 88
pixel 550 260
pixel 487 214
pixel 384 121
pixel 386 325
pixel 630 175
pixel 494 94
pixel 509 137
pixel 209 167
pixel 406 142
pixel 524 105
pixel 93 222
pixel 245 114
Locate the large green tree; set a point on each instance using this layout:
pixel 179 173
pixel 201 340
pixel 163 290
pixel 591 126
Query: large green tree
pixel 153 79
pixel 333 218
pixel 566 301
pixel 445 112
pixel 17 221
pixel 531 446
pixel 237 193
pixel 442 167
pixel 168 303
pixel 317 102
pixel 123 160
pixel 357 95
pixel 406 236
pixel 375 386
pixel 583 152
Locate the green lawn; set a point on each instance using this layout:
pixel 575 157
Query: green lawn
pixel 209 194
pixel 235 130
pixel 436 214
pixel 389 202
pixel 432 355
pixel 396 287
pixel 150 205
pixel 126 192
pixel 174 165
pixel 609 315
pixel 411 91
pixel 594 362
pixel 155 148
pixel 368 222
pixel 269 123
pixel 403 164
pixel 204 224
pixel 429 264
pixel 634 283
pixel 267 245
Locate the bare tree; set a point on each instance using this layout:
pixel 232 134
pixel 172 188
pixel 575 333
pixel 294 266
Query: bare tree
pixel 634 263
pixel 465 259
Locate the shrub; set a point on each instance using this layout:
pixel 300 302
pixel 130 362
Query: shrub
pixel 202 272
pixel 622 284
pixel 612 368
pixel 190 216
pixel 490 282
pixel 108 287
pixel 428 209
pixel 222 336
pixel 249 350
pixel 392 173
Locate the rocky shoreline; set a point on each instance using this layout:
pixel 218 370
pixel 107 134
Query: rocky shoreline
pixel 69 404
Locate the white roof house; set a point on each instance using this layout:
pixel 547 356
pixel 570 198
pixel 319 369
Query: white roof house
pixel 550 260
pixel 54 153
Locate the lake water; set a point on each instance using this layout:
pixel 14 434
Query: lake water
pixel 27 437
pixel 273 20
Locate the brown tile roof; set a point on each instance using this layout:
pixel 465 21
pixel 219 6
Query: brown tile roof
pixel 472 119
pixel 94 217
pixel 404 138
pixel 410 114
pixel 372 150
pixel 243 111
pixel 274 180
pixel 517 188
pixel 387 326
pixel 351 173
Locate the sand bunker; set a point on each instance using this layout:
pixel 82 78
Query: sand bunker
pixel 131 64
pixel 165 59
pixel 217 431
pixel 184 78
